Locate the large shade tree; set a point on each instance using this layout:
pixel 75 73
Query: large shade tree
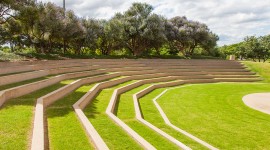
pixel 258 48
pixel 48 28
pixel 9 8
pixel 185 35
pixel 141 28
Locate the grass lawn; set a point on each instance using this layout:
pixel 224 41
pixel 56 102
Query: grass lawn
pixel 16 117
pixel 152 115
pixel 62 121
pixel 111 133
pixel 126 113
pixel 216 114
pixel 262 69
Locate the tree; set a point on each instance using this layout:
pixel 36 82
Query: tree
pixel 265 41
pixel 258 48
pixel 72 31
pixel 12 35
pixel 93 30
pixel 141 28
pixel 111 37
pixel 8 8
pixel 186 35
pixel 241 51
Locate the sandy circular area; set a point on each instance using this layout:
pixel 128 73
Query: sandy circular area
pixel 258 101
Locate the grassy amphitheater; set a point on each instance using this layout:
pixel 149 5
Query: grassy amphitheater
pixel 132 104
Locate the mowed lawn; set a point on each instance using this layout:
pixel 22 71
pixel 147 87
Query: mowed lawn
pixel 126 112
pixel 216 113
pixel 262 69
pixel 62 121
pixel 112 134
pixel 16 117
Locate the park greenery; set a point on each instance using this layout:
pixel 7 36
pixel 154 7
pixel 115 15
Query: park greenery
pixel 47 31
pixel 255 48
pixel 45 28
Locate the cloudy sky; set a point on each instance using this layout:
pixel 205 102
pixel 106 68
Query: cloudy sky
pixel 232 20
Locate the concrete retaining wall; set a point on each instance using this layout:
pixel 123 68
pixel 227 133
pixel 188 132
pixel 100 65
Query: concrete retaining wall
pixel 4 80
pixel 43 102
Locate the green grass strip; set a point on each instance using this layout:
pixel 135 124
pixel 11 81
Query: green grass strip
pixel 64 129
pixel 112 134
pixel 127 114
pixel 217 114
pixel 16 117
pixel 262 69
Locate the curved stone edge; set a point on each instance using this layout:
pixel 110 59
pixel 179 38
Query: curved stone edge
pixel 52 65
pixel 157 130
pixel 258 101
pixel 169 84
pixel 38 137
pixel 28 88
pixel 88 97
pixel 31 87
pixel 58 68
pixel 114 99
pixel 20 67
pixel 38 129
pixel 167 121
pixel 9 79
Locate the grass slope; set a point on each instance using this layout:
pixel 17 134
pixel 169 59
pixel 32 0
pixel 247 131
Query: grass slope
pixel 216 114
pixel 111 133
pixel 16 117
pixel 262 69
pixel 151 114
pixel 62 121
pixel 126 113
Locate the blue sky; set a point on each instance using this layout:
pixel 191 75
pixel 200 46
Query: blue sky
pixel 232 20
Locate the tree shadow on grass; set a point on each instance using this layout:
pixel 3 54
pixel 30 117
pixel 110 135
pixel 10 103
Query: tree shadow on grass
pixel 30 99
pixel 63 106
pixel 18 112
pixel 115 111
pixel 91 109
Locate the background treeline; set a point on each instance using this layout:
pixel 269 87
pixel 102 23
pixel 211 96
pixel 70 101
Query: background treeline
pixel 255 48
pixel 47 28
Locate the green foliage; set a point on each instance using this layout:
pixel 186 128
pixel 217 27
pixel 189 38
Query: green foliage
pixel 255 48
pixel 138 31
pixel 186 35
pixel 10 56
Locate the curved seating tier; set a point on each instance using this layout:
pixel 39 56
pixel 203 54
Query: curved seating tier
pixel 108 73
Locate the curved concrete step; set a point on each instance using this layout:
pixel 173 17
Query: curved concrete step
pixel 4 80
pixel 38 130
pixel 28 88
pixel 143 92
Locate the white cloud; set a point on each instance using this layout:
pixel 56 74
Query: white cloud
pixel 232 20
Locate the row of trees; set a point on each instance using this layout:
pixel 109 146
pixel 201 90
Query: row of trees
pixel 255 48
pixel 48 28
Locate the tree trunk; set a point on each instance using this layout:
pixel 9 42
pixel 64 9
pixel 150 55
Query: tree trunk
pixel 64 46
